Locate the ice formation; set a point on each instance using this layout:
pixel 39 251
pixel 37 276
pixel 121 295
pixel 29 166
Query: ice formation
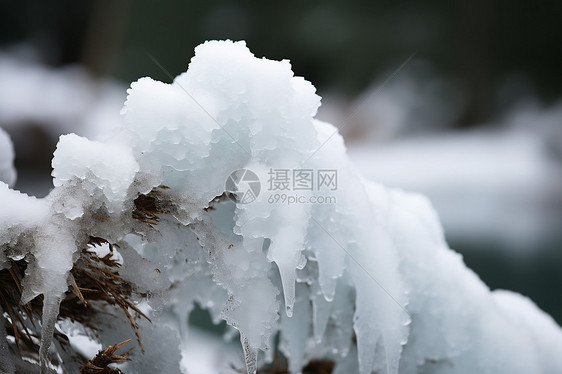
pixel 367 281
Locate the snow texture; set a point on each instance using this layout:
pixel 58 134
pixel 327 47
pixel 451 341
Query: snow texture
pixel 368 282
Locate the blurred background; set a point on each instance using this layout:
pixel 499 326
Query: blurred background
pixel 460 100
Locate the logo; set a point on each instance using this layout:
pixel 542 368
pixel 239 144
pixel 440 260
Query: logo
pixel 244 186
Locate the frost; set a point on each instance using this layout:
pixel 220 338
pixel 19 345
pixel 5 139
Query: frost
pixel 368 283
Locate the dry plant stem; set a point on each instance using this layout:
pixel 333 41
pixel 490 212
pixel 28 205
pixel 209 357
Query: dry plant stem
pixel 99 364
pixel 94 281
pixel 10 293
pixel 114 290
pixel 148 207
pixel 76 291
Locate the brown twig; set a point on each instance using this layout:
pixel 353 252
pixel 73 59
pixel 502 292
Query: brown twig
pixel 148 207
pixel 99 364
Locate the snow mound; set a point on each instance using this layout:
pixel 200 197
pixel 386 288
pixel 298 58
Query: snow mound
pixel 366 280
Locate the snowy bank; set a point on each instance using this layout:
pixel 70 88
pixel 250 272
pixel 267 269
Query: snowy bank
pixel 489 187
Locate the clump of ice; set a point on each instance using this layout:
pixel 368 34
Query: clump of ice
pixel 367 282
pixel 102 171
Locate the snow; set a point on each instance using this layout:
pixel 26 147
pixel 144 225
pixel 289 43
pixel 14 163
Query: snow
pixel 7 171
pixel 66 99
pixel 368 282
pixel 103 170
pixel 203 352
pixel 487 186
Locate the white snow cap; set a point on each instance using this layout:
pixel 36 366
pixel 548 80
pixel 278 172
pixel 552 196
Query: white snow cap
pixel 366 280
pixel 373 253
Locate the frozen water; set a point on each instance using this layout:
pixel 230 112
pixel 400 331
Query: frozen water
pixel 367 282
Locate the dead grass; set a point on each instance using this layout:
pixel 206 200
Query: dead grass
pixel 100 363
pixel 95 284
pixel 148 207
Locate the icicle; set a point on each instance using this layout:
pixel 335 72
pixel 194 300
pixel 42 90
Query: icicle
pixel 51 306
pixel 250 355
pixel 351 266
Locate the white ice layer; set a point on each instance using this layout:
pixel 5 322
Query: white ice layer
pixel 366 281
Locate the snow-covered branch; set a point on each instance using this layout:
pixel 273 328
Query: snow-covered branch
pixel 185 192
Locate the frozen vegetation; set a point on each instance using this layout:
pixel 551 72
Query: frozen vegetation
pixel 367 282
